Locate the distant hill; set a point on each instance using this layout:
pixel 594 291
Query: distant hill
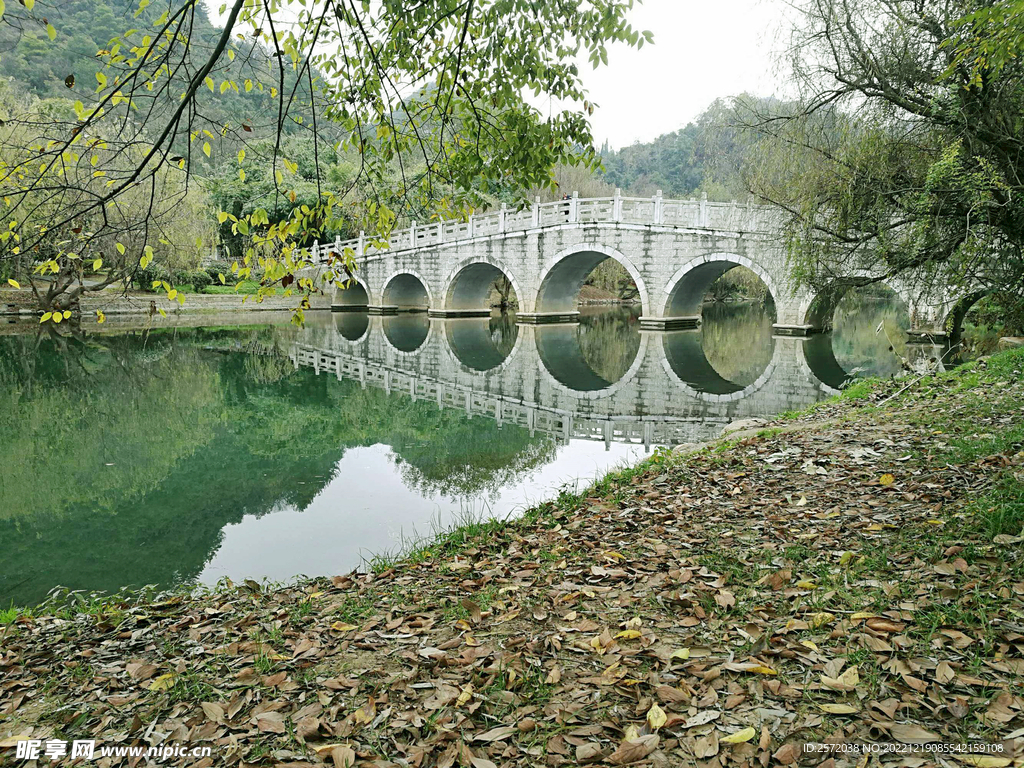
pixel 35 65
pixel 709 155
pixel 670 163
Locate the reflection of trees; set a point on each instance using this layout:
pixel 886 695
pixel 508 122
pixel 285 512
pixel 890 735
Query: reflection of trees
pixel 139 444
pixel 147 445
pixel 609 340
pixel 267 369
pixel 856 345
pixel 737 340
pixel 466 457
pixel 439 451
pixel 503 331
pixel 98 427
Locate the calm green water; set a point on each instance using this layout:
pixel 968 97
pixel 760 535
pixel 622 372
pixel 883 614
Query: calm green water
pixel 193 454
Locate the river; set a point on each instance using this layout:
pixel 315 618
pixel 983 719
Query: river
pixel 187 455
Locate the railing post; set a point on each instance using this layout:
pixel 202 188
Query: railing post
pixel 574 207
pixel 617 205
pixel 362 243
pixel 501 218
pixel 535 214
pixel 657 208
pixel 314 252
pixel 470 229
pixel 412 234
pixel 440 231
pixel 703 223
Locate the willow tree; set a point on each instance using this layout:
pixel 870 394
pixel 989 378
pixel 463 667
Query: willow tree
pixel 438 100
pixel 905 153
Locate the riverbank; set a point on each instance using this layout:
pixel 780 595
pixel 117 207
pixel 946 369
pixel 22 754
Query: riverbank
pixel 14 304
pixel 851 574
pixel 127 322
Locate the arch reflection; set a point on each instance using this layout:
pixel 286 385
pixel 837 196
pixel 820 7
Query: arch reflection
pixel 593 354
pixel 406 333
pixel 728 353
pixel 482 343
pixel 866 336
pixel 822 361
pixel 833 371
pixel 352 325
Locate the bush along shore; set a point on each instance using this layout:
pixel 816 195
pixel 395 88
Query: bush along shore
pixel 849 575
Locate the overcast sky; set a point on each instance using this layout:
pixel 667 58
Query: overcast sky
pixel 702 50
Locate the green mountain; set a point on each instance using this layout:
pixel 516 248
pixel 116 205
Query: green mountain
pixel 709 155
pixel 65 67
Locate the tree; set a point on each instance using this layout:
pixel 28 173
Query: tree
pixel 905 153
pixel 430 97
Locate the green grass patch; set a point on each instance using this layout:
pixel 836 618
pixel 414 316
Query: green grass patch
pixel 1001 510
pixel 860 389
pixel 9 615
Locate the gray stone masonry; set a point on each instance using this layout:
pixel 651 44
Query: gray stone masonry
pixel 673 249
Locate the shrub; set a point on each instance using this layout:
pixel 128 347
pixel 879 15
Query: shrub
pixel 181 277
pixel 217 268
pixel 199 280
pixel 146 277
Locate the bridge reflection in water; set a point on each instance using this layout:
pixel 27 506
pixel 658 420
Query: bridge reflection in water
pixel 542 379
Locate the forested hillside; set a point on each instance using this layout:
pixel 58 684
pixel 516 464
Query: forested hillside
pixel 81 29
pixel 709 155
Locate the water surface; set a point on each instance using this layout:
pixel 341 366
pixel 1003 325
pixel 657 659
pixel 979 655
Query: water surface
pixel 265 451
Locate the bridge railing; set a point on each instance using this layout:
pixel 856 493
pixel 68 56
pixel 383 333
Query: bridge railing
pixel 653 211
pixel 561 424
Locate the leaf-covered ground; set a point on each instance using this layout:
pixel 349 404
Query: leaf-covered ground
pixel 856 579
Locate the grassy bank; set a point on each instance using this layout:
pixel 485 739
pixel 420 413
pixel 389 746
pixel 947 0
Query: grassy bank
pixel 852 573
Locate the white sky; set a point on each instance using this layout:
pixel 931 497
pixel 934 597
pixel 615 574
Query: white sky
pixel 703 50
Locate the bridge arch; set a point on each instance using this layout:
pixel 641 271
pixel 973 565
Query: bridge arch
pixel 468 285
pixel 686 289
pixel 353 293
pixel 566 369
pixel 407 290
pixel 823 365
pixel 563 277
pixel 818 308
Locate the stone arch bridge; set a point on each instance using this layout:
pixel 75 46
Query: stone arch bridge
pixel 673 250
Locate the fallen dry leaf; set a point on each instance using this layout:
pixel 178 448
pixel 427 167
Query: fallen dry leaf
pixel 634 750
pixel 739 737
